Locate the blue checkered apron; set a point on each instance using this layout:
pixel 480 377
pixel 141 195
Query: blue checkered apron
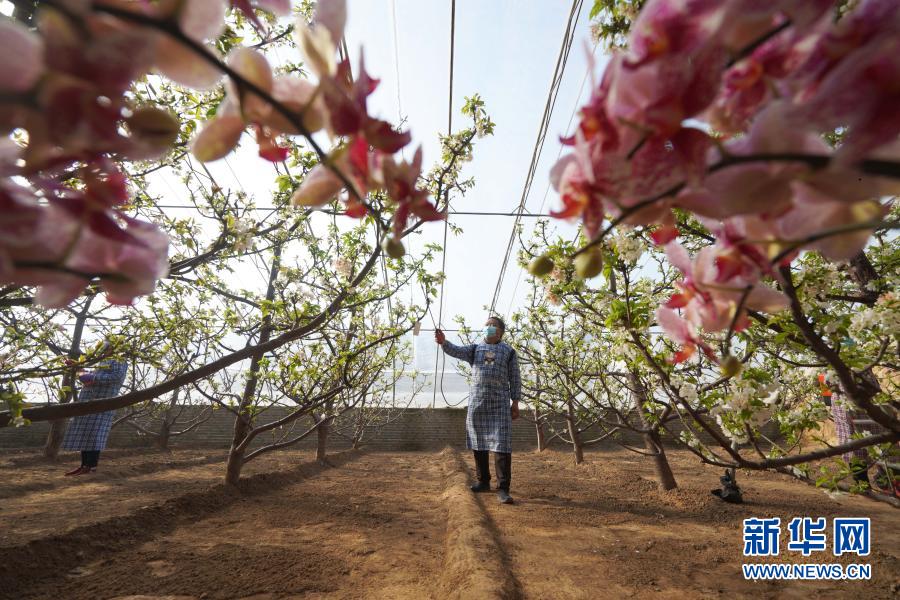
pixel 495 381
pixel 90 432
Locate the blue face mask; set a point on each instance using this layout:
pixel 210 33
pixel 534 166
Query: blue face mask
pixel 489 331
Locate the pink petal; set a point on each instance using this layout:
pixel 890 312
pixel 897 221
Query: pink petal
pixel 319 187
pixel 276 7
pixel 60 290
pixel 559 169
pixel 332 14
pixel 183 66
pixel 815 212
pixel 252 65
pixel 676 328
pixel 218 138
pixel 298 95
pixel 22 59
pixel 679 258
pixel 704 265
pixel 766 299
pixel 202 20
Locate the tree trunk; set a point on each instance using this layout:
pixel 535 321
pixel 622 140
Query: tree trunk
pixel 55 438
pixel 322 439
pixel 360 428
pixel 539 428
pixel 243 420
pixel 862 272
pixel 664 476
pixel 58 427
pixel 162 440
pixel 652 442
pixel 168 419
pixel 573 432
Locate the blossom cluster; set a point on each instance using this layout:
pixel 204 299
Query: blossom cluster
pixel 338 103
pixel 883 317
pixel 69 119
pixel 719 107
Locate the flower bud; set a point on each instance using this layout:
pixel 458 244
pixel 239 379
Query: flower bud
pixel 730 366
pixel 589 263
pixel 393 247
pixel 153 127
pixel 540 266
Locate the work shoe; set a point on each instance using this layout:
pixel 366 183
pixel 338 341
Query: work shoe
pixel 77 471
pixel 480 487
pixel 504 497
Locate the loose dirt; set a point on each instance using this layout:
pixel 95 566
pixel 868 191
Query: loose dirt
pixel 402 525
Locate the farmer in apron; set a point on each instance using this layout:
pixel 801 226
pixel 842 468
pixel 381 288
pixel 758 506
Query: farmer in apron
pixel 495 383
pixel 88 433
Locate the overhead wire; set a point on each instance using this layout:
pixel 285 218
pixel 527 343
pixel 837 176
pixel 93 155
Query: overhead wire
pixel 437 350
pixel 454 213
pixel 568 37
pixel 400 115
pixel 402 154
pixel 587 74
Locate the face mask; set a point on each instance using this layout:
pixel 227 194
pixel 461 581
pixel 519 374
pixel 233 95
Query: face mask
pixel 489 331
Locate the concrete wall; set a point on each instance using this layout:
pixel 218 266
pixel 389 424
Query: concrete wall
pixel 410 429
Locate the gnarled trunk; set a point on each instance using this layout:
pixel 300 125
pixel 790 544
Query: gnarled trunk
pixel 243 422
pixel 652 441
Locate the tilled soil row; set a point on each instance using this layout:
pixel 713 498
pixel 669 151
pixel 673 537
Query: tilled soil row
pixel 475 563
pixel 470 556
pixel 25 565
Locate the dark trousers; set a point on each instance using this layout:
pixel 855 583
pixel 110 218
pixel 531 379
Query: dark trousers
pixel 502 466
pixel 90 458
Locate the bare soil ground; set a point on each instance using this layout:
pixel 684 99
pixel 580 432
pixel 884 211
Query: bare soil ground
pixel 152 525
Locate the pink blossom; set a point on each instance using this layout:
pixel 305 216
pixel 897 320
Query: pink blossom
pixel 219 136
pixel 737 189
pixel 400 180
pixel 202 20
pixel 128 267
pixel 716 279
pixel 816 212
pixel 681 332
pixel 299 96
pixel 673 67
pixel 74 237
pixel 348 110
pixel 579 199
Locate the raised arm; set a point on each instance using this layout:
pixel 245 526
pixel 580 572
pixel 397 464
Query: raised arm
pixel 466 353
